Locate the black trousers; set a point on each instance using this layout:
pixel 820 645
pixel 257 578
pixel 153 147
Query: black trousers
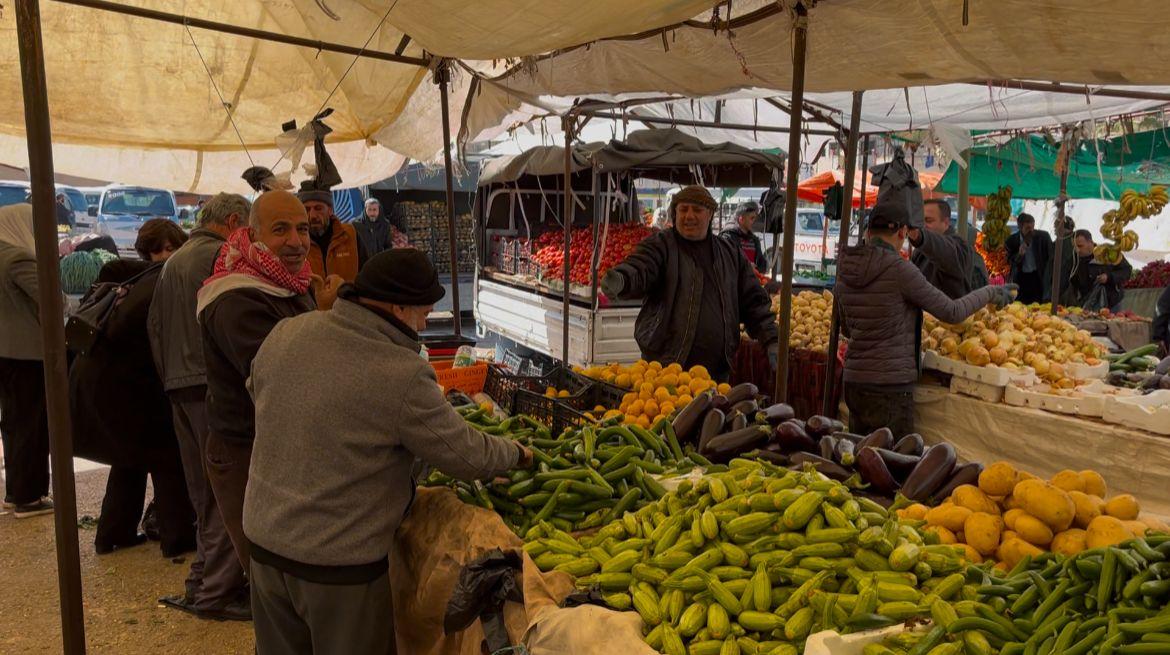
pixel 872 406
pixel 24 426
pixel 126 494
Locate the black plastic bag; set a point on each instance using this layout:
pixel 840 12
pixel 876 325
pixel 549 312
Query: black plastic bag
pixel 898 181
pixel 483 587
pixel 1097 299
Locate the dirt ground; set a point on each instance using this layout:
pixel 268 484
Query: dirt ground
pixel 122 615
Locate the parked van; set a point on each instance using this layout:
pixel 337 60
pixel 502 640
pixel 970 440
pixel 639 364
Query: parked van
pixel 123 209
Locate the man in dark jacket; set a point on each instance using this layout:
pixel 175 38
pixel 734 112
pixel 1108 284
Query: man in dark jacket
pixel 946 260
pixel 334 249
pixel 1029 253
pixel 331 475
pixel 1088 273
pixel 744 238
pixel 881 299
pixel 215 586
pixel 698 289
pixel 1161 327
pixel 375 230
pixel 261 277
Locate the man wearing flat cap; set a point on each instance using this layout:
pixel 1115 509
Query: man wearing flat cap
pixel 881 297
pixel 344 406
pixel 697 290
pixel 334 249
pixel 744 238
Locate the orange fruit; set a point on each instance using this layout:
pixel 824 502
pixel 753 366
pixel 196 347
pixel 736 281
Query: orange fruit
pixel 723 388
pixel 700 371
pixel 656 366
pixel 650 408
pixel 683 400
pixel 644 421
pixel 636 407
pixel 622 380
pixel 666 408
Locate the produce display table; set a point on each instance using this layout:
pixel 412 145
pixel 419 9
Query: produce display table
pixel 1132 461
pixel 1141 301
pixel 1129 334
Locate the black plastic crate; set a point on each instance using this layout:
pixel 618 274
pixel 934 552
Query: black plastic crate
pixel 502 386
pixel 609 395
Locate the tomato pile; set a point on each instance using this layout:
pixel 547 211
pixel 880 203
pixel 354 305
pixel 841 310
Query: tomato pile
pixel 547 251
pixel 995 258
pixel 1155 275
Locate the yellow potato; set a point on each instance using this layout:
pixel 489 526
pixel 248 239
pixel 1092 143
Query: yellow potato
pixel 949 516
pixel 982 532
pixel 1123 506
pixel 1087 508
pixel 998 479
pixel 1011 551
pixel 1106 531
pixel 972 498
pixel 1033 530
pixel 1069 481
pixel 1047 503
pixel 945 536
pixel 1070 542
pixel 1136 528
pixel 1094 483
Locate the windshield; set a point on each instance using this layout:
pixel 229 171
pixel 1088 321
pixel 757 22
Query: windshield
pixel 138 202
pixel 93 198
pixel 810 222
pixel 11 195
pixel 75 200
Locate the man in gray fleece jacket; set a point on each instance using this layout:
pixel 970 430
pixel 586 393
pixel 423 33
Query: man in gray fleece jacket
pixel 881 298
pixel 344 406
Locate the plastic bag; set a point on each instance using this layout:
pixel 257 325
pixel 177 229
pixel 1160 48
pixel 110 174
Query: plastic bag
pixel 1096 299
pixel 483 587
pixel 898 181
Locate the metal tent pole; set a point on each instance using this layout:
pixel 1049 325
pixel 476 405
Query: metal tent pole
pixel 40 160
pixel 864 184
pixel 1058 251
pixel 964 194
pixel 443 78
pixel 846 211
pixel 799 45
pixel 567 219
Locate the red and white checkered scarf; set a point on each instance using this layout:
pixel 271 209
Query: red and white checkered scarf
pixel 242 255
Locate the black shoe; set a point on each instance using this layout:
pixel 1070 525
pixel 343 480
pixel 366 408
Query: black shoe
pixel 106 549
pixel 236 610
pixel 180 548
pixel 42 506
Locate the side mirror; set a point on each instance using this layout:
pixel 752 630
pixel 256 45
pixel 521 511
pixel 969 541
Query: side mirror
pixel 91 210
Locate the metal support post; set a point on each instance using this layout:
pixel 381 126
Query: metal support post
pixel 38 133
pixel 964 194
pixel 443 79
pixel 567 219
pixel 799 46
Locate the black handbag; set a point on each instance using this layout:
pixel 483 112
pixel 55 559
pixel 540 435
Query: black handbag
pixel 85 327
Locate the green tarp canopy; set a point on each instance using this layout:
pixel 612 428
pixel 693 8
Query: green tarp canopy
pixel 1135 161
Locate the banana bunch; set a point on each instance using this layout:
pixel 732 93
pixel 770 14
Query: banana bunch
pixel 1133 205
pixel 999 210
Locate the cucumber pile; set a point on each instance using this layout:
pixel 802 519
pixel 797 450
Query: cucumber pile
pixel 584 477
pixel 755 558
pixel 1103 600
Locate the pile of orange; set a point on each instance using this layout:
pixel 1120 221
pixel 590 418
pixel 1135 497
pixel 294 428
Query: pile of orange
pixel 656 391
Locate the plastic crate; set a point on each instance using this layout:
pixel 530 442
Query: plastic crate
pixel 807 372
pixel 502 386
pixel 609 395
pixel 516 363
pixel 468 379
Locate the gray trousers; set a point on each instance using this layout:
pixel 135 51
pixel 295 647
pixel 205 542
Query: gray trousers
pixel 216 576
pixel 292 616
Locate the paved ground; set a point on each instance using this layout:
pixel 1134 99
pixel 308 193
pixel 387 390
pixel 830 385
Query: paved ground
pixel 120 591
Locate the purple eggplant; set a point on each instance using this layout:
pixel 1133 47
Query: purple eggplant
pixel 828 467
pixel 799 422
pixel 855 439
pixel 729 418
pixel 879 438
pixel 746 407
pixel 911 444
pixel 792 438
pixel 780 459
pixel 726 446
pixel 874 471
pixel 964 474
pixel 827 446
pixel 900 465
pixel 822 425
pixel 932 471
pixel 739 422
pixel 686 424
pixel 775 413
pixel 741 392
pixel 712 427
pixel 719 402
pixel 844 452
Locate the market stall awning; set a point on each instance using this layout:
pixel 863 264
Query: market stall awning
pixel 813 189
pixel 1101 168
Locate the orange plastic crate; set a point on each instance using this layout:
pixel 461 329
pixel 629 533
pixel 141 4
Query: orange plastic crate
pixel 468 379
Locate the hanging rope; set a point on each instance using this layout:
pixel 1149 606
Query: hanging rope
pixel 227 108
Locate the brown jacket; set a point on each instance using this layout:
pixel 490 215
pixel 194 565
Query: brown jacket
pixel 881 298
pixel 343 258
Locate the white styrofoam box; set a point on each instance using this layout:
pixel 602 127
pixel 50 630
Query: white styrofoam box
pixel 993 375
pixel 1089 401
pixel 828 642
pixel 1150 412
pixel 985 392
pixel 1086 372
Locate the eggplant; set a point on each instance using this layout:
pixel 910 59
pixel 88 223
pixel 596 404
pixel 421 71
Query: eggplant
pixel 827 445
pixel 712 427
pixel 879 438
pixel 900 465
pixel 1152 381
pixel 1163 367
pixel 775 413
pixel 1164 383
pixel 884 501
pixel 719 402
pixel 791 437
pixel 686 424
pixel 931 472
pixel 874 471
pixel 799 422
pixel 729 418
pixel 726 446
pixel 739 422
pixel 844 452
pixel 774 457
pixel 852 438
pixel 965 474
pixel 818 426
pixel 911 444
pixel 826 466
pixel 746 407
pixel 741 392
